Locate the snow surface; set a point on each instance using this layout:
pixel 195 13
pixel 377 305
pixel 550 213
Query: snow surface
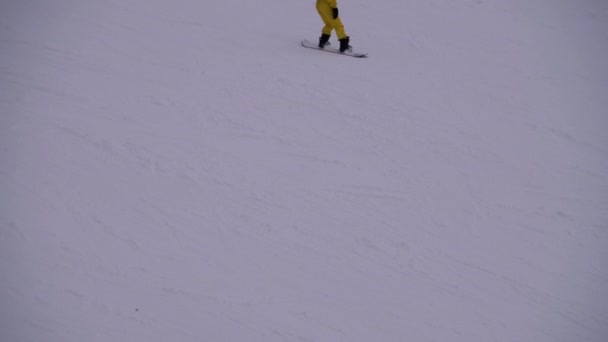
pixel 185 171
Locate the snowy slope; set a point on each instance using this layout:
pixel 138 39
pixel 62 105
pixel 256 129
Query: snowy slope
pixel 185 171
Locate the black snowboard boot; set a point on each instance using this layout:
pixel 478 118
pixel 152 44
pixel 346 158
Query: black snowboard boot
pixel 344 44
pixel 323 40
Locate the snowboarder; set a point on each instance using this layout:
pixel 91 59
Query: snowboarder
pixel 328 10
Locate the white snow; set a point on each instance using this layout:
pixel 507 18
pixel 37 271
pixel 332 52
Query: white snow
pixel 185 171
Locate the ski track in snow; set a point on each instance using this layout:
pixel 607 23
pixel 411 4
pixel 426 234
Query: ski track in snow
pixel 187 172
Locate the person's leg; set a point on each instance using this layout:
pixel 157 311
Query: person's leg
pixel 325 14
pixel 339 27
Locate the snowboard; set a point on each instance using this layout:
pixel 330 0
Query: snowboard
pixel 327 48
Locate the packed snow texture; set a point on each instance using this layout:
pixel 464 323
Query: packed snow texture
pixel 185 171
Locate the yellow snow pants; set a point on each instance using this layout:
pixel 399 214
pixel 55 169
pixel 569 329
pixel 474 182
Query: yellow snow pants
pixel 324 8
